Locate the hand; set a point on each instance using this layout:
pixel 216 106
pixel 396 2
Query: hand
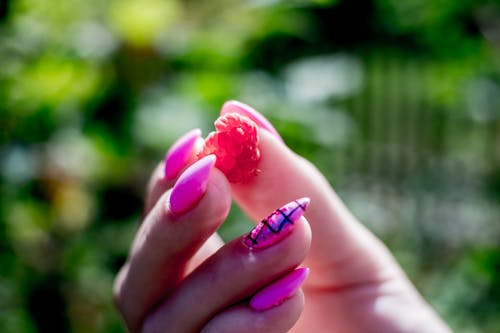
pixel 173 280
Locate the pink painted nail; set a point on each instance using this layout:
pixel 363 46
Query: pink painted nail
pixel 276 226
pixel 248 111
pixel 178 154
pixel 191 185
pixel 279 291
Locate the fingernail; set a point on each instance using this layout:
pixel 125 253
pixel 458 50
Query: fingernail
pixel 191 185
pixel 277 225
pixel 178 154
pixel 279 291
pixel 248 111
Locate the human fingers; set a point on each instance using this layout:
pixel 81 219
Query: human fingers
pixel 343 252
pixel 242 318
pixel 239 269
pixel 181 154
pixel 177 226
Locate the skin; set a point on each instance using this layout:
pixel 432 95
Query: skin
pixel 180 277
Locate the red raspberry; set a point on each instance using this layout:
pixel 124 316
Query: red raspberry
pixel 235 143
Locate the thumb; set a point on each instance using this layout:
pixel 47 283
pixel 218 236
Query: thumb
pixel 343 252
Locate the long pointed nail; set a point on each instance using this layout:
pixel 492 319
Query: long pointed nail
pixel 276 226
pixel 191 185
pixel 279 291
pixel 248 111
pixel 179 152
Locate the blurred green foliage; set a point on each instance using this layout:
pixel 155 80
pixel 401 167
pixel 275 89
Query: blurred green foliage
pixel 397 102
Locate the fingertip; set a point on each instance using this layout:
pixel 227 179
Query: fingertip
pixel 247 111
pixel 191 185
pixel 279 291
pixel 213 204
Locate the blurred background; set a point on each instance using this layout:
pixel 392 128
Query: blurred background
pixel 397 102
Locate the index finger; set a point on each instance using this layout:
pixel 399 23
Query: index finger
pixel 180 155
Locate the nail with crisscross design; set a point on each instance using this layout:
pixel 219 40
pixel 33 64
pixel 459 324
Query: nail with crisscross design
pixel 277 225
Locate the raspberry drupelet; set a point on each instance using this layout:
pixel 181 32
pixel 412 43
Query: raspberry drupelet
pixel 235 143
